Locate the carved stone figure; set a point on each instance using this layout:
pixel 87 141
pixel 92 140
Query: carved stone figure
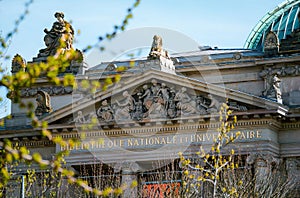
pixel 214 104
pixel 163 92
pixel 18 64
pixel 138 113
pixel 185 105
pixel 157 49
pixel 157 109
pixel 105 112
pixel 154 88
pixel 80 118
pixel 201 105
pixel 147 97
pixel 272 85
pixel 43 103
pixel 268 76
pixel 92 118
pixel 276 93
pixel 61 32
pixel 125 109
pixel 171 111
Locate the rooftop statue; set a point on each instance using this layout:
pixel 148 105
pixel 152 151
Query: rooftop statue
pixel 157 49
pixel 158 58
pixel 60 36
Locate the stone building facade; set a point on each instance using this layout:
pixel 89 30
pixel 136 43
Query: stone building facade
pixel 165 104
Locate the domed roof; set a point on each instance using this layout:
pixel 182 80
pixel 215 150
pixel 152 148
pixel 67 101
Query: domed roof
pixel 283 20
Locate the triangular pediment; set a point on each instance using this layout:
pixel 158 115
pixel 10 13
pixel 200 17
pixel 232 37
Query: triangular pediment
pixel 155 94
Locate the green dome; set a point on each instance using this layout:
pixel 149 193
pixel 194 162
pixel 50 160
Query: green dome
pixel 283 20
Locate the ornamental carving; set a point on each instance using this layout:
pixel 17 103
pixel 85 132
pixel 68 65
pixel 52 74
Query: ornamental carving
pixel 18 64
pixel 80 118
pixel 105 112
pixel 272 84
pixel 156 101
pixel 43 103
pixel 271 44
pixel 54 90
pixel 271 41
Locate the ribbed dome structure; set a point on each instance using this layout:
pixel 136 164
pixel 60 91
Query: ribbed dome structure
pixel 283 20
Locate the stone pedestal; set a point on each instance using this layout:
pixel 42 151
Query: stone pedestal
pixel 161 63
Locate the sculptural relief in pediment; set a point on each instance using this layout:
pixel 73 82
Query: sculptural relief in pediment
pixel 156 101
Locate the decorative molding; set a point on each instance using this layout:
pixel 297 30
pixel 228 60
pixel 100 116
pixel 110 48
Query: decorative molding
pixel 237 56
pixel 281 71
pixel 291 125
pixel 35 143
pixel 52 91
pixel 160 129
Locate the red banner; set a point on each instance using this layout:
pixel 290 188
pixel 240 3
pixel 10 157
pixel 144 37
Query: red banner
pixel 161 190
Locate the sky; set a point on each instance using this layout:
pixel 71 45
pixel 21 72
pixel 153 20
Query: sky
pixel 216 23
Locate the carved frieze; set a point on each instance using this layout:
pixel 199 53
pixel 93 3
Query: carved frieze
pixel 54 90
pixel 155 100
pixel 283 71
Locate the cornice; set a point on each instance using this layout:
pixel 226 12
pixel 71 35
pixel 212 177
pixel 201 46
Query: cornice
pixel 183 126
pixel 36 143
pixel 291 125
